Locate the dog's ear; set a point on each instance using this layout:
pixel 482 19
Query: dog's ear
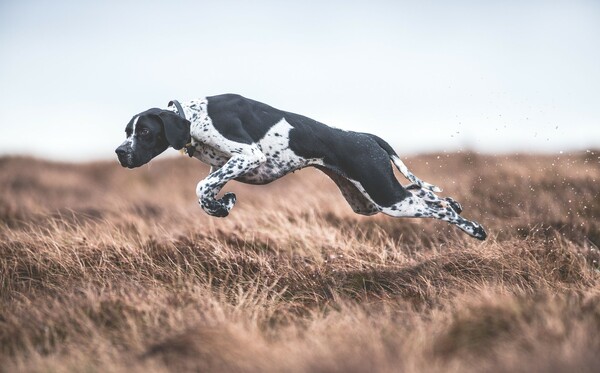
pixel 177 129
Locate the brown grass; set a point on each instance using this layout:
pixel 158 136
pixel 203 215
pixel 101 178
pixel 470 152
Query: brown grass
pixel 107 269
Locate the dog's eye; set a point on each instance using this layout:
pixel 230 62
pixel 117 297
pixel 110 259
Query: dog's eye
pixel 144 132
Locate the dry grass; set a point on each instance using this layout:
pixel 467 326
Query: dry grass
pixel 106 269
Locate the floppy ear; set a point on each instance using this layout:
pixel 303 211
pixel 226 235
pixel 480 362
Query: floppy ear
pixel 177 129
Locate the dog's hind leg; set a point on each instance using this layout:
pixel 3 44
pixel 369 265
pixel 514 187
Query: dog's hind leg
pixel 357 199
pixel 425 204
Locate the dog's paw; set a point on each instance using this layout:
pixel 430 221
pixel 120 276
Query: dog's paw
pixel 474 229
pixel 479 232
pixel 228 200
pixel 214 208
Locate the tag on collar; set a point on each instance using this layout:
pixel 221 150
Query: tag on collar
pixel 188 149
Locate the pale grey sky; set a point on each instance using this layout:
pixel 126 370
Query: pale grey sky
pixel 427 76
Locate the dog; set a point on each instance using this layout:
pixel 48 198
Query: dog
pixel 251 142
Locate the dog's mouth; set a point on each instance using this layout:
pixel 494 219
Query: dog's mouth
pixel 130 165
pixel 131 160
pixel 126 164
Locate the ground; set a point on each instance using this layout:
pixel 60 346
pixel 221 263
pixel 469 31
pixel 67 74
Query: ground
pixel 108 269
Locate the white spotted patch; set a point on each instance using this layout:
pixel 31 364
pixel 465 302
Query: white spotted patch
pixel 204 134
pixel 280 159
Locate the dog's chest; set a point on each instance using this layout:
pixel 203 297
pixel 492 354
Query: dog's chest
pixel 210 155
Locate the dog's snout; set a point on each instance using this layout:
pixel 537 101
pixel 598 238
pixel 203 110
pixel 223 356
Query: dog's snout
pixel 121 151
pixel 124 155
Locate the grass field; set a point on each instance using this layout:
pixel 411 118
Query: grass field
pixel 108 269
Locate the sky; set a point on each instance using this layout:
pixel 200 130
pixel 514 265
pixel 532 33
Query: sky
pixel 427 76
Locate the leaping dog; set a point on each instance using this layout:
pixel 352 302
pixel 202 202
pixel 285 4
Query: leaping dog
pixel 251 142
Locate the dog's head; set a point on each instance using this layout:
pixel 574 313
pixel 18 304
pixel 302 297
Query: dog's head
pixel 150 133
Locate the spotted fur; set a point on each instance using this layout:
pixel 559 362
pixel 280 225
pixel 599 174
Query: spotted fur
pixel 250 142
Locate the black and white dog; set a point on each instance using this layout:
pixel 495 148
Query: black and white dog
pixel 251 142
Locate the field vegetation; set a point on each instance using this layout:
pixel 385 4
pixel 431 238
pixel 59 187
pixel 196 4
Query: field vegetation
pixel 108 269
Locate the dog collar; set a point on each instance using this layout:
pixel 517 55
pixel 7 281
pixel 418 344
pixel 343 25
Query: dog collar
pixel 188 149
pixel 178 107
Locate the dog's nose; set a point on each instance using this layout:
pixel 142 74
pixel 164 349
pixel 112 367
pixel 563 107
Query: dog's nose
pixel 120 151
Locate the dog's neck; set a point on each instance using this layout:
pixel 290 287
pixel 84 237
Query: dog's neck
pixel 192 110
pixel 196 111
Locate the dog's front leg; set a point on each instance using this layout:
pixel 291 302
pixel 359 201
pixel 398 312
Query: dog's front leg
pixel 237 165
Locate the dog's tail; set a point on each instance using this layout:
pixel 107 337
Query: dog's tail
pixel 402 167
